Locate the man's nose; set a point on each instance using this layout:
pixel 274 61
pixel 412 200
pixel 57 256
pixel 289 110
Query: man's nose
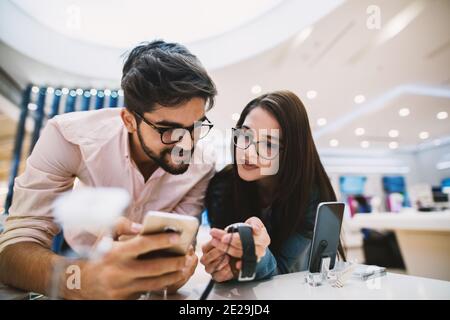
pixel 186 141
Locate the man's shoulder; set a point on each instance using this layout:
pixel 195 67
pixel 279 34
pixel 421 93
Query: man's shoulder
pixel 87 127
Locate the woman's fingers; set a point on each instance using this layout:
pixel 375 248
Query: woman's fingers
pixel 231 242
pixel 223 275
pixel 232 251
pixel 261 243
pixel 211 255
pixel 234 238
pixel 256 224
pixel 207 247
pixel 217 233
pixel 217 265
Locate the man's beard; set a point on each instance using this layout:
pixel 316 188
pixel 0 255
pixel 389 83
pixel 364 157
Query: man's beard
pixel 160 159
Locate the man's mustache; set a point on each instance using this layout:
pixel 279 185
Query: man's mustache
pixel 178 152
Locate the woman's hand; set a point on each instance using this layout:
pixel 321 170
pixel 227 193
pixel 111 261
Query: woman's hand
pixel 217 263
pixel 221 239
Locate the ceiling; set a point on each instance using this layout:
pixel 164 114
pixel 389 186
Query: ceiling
pixel 405 64
pixel 128 22
pixel 62 34
pixel 342 58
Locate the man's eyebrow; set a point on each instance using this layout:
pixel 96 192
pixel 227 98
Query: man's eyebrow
pixel 166 123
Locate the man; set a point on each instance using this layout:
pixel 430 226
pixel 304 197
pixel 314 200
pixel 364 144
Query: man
pixel 145 149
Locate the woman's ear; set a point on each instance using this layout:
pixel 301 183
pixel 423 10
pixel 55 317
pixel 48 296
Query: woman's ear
pixel 129 120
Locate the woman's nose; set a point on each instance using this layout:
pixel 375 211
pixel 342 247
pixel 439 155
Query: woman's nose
pixel 251 154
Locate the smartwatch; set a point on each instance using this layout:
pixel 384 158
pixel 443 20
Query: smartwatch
pixel 249 260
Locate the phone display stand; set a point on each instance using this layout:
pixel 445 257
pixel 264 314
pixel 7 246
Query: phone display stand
pixel 316 279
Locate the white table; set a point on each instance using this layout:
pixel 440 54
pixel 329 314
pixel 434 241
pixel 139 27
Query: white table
pixel 424 239
pixel 292 287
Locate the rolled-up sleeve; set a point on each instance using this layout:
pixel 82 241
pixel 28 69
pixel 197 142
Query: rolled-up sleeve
pixel 295 252
pixel 50 170
pixel 294 257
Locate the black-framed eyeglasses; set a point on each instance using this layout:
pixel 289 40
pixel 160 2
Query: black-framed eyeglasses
pixel 265 149
pixel 197 131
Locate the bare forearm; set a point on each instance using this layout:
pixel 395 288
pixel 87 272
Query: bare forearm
pixel 28 266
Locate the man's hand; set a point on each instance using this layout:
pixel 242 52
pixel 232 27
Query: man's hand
pixel 120 275
pixel 188 271
pixel 126 227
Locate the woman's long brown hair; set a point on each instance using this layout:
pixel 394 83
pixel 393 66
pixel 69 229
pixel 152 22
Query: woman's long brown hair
pixel 301 175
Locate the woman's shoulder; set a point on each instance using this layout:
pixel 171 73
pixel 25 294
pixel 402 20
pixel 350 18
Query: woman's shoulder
pixel 222 180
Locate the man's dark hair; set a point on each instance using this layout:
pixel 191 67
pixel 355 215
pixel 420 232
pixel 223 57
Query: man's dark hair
pixel 166 74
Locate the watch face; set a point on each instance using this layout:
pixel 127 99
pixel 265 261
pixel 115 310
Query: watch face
pixel 235 226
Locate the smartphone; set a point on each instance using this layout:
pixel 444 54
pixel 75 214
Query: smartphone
pixel 163 222
pixel 327 231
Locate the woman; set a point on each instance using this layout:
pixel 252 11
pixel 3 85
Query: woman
pixel 275 185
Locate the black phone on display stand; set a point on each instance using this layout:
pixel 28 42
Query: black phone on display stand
pixel 327 230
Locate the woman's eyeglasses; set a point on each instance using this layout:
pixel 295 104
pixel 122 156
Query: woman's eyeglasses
pixel 265 149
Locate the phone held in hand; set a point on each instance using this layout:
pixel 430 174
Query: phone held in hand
pixel 163 222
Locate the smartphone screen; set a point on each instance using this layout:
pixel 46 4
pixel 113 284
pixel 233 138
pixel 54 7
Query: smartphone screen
pixel 327 230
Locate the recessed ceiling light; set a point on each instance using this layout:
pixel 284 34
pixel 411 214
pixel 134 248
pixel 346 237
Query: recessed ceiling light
pixel 365 144
pixel 424 135
pixel 321 122
pixel 235 116
pixel 403 112
pixel 393 145
pixel 311 94
pixel 334 143
pixel 359 99
pixel 256 89
pixel 393 133
pixel 32 106
pixel 360 131
pixel 442 115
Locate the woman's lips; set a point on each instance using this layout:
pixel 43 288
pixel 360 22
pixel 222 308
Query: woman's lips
pixel 248 166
